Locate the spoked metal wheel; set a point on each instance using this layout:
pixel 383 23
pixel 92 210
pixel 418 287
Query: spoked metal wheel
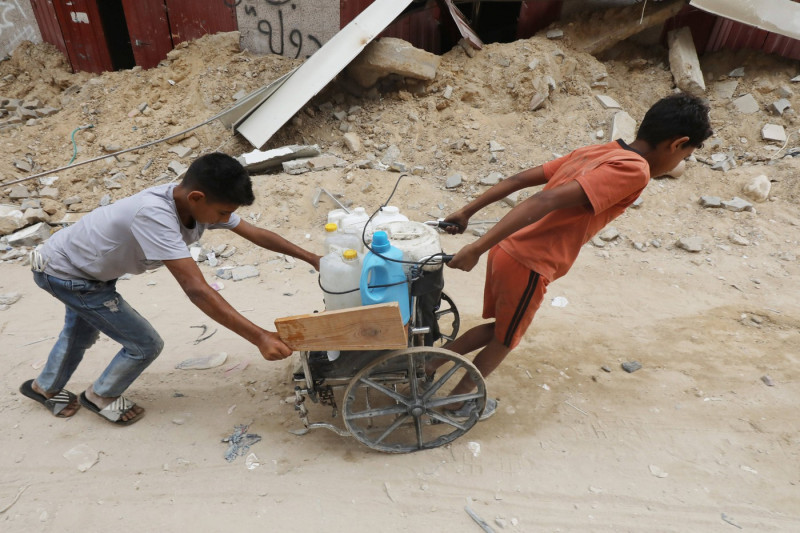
pixel 392 406
pixel 448 319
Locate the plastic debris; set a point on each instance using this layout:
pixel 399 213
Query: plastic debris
pixel 252 462
pixel 657 471
pixel 82 456
pixel 559 301
pixel 202 363
pixel 239 442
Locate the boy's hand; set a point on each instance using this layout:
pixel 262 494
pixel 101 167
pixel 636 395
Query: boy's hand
pixel 461 220
pixel 465 259
pixel 272 348
pixel 314 261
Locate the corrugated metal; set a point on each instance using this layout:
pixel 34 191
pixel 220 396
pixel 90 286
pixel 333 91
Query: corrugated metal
pixel 45 14
pixel 190 19
pixel 148 28
pixel 731 35
pixel 535 15
pixel 83 35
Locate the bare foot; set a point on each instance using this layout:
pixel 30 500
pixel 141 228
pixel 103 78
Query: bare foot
pixel 68 411
pixel 101 402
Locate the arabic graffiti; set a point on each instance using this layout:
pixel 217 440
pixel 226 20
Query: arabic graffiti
pixel 282 38
pixel 12 30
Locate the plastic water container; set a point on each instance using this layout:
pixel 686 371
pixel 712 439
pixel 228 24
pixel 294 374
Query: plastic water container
pixel 340 272
pixel 355 221
pixel 336 216
pixel 384 280
pixel 415 239
pixel 387 214
pixel 338 241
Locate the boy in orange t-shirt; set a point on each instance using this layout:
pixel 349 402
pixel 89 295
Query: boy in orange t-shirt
pixel 538 240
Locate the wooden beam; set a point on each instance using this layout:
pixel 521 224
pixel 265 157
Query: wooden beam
pixel 371 327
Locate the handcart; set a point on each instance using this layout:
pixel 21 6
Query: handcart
pixel 398 400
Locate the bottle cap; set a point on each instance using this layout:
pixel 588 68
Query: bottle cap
pixel 380 242
pixel 350 254
pixel 330 227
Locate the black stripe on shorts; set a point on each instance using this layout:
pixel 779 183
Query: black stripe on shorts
pixel 530 289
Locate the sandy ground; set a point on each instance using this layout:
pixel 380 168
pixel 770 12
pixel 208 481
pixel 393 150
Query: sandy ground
pixel 692 435
pixel 694 438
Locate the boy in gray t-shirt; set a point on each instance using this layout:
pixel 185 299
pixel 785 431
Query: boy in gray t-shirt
pixel 80 265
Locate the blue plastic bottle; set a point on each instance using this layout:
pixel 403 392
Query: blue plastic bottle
pixel 377 271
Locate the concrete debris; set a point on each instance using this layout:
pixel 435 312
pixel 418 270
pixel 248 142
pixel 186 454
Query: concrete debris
pixel 30 236
pixel 690 244
pixel 453 181
pixel 607 102
pixel 724 90
pixel 746 104
pixel 710 201
pixel 244 272
pixel 390 55
pixel 736 73
pixel 259 161
pixel 773 132
pixel 683 62
pixel 779 106
pixel 623 127
pixel 757 188
pixel 737 205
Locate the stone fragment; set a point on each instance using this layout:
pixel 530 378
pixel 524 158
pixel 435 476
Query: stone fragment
pixel 746 104
pixel 779 106
pixel 453 181
pixel 296 166
pixel 30 236
pixel 258 160
pixel 737 239
pixel 495 146
pixel 72 200
pixel 389 55
pixel 512 199
pixel 678 171
pixel 609 234
pixel 180 150
pixel 390 155
pixel 683 62
pixel 352 141
pixel 492 179
pixel 724 89
pixel 737 204
pixel 537 101
pixel 49 192
pixel 773 132
pixel 757 188
pixel 18 192
pixel 690 244
pixel 736 73
pixel 244 272
pixel 177 168
pixel 607 101
pixel 554 34
pixel 710 201
pixel 623 127
pixel 32 216
pixel 631 366
pixel 11 220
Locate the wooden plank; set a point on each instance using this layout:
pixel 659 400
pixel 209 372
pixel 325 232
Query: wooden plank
pixel 370 327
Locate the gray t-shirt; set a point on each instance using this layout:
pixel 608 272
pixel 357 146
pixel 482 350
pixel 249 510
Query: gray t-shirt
pixel 132 235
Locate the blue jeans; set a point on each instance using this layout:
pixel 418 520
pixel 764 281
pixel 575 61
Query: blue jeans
pixel 94 307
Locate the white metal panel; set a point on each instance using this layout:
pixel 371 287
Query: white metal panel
pixel 318 70
pixel 778 16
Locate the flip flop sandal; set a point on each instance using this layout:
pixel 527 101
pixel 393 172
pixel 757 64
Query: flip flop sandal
pixel 114 411
pixel 56 404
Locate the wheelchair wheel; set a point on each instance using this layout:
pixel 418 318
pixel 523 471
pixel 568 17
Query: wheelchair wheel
pixel 448 319
pixel 391 405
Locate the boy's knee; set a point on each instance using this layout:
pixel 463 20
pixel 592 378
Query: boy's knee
pixel 149 347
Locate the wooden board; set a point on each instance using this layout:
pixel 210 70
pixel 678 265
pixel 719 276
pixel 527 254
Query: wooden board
pixel 370 327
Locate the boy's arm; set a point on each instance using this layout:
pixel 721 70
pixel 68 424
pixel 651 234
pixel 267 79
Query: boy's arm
pixel 215 306
pixel 276 243
pixel 527 178
pixel 570 194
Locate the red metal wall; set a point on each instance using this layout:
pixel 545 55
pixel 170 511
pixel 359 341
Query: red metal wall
pixel 83 35
pixel 190 19
pixel 45 14
pixel 148 29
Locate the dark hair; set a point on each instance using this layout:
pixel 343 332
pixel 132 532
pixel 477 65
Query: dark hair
pixel 677 115
pixel 221 178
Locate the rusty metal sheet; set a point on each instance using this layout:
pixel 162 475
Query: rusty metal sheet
pixel 776 16
pixel 45 14
pixel 83 35
pixel 190 19
pixel 148 28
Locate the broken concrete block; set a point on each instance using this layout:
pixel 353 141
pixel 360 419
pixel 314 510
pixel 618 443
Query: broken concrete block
pixel 177 168
pixel 512 199
pixel 321 162
pixel 737 204
pixel 690 244
pixel 49 192
pixel 678 171
pixel 296 166
pixel 492 179
pixel 32 216
pixel 18 192
pixel 683 62
pixel 746 104
pixel 623 126
pixel 537 101
pixel 710 201
pixel 757 188
pixel 180 150
pixel 352 141
pixel 554 34
pixel 10 219
pixel 773 132
pixel 257 160
pixel 390 55
pixel 608 102
pixel 779 106
pixel 736 73
pixel 453 181
pixel 724 89
pixel 30 236
pixel 244 272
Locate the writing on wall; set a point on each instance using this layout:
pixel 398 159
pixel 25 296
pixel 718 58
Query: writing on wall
pixel 15 26
pixel 277 26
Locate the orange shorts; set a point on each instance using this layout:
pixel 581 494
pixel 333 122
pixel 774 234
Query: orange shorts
pixel 511 296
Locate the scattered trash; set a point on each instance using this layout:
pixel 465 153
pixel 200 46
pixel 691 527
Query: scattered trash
pixel 82 456
pixel 631 366
pixel 251 461
pixel 237 367
pixel 729 520
pixel 748 469
pixel 200 338
pixel 203 363
pixel 576 408
pixel 239 442
pixel 606 368
pixel 232 408
pixel 19 493
pixel 217 286
pixel 559 301
pixel 545 386
pixel 388 493
pixel 767 380
pixel 478 520
pixel 657 471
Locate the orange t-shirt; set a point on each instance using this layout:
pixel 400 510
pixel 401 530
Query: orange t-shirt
pixel 612 175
